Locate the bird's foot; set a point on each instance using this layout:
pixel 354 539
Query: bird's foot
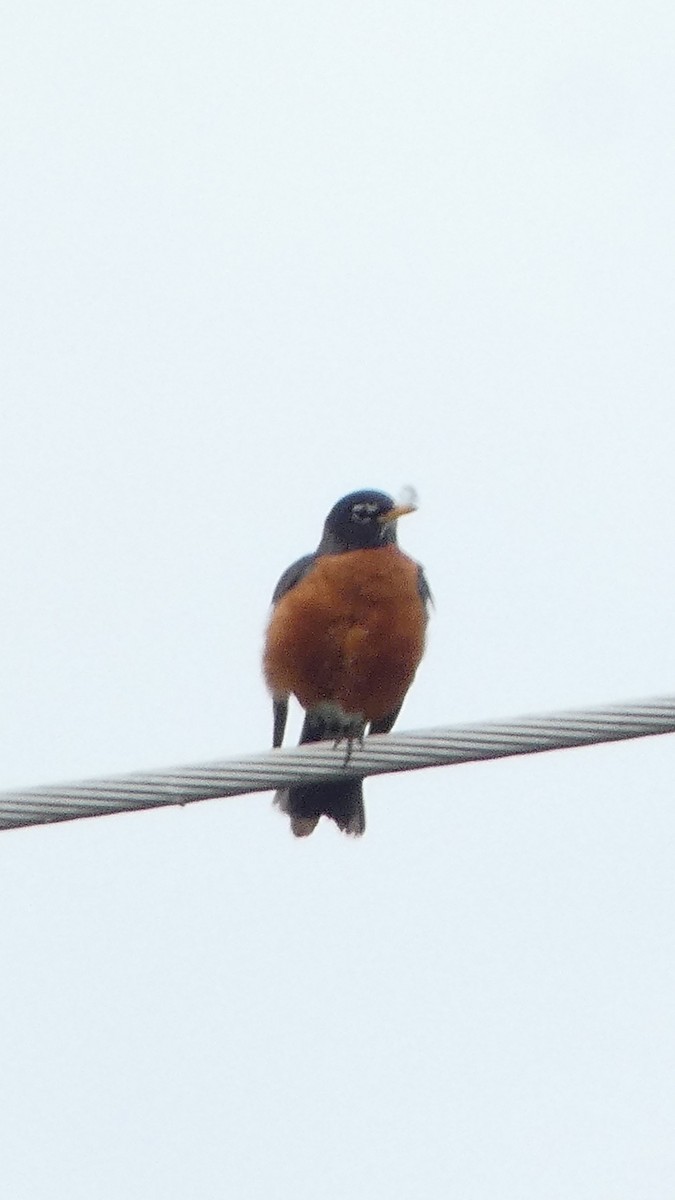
pixel 350 739
pixel 342 726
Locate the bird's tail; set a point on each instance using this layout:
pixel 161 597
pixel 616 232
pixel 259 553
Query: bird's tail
pixel 305 803
pixel 342 802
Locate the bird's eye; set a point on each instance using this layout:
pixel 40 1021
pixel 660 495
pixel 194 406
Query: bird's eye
pixel 362 513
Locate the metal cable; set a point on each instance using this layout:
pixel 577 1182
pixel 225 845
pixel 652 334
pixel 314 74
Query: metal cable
pixel 378 756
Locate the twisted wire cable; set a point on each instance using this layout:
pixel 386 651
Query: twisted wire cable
pixel 379 755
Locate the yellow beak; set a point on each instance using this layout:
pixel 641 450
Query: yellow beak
pixel 399 510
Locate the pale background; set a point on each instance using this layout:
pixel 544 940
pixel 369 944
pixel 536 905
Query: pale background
pixel 256 255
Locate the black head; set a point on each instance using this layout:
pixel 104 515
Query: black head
pixel 361 521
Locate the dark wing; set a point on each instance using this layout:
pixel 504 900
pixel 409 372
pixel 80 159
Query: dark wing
pixel 293 575
pixel 386 723
pixel 423 586
pixel 290 577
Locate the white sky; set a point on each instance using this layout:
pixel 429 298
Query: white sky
pixel 256 255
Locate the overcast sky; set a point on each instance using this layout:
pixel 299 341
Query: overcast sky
pixel 256 255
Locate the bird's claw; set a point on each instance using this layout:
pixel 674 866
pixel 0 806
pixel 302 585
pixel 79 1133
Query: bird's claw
pixel 350 738
pixel 342 727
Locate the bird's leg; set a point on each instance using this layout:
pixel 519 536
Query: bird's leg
pixel 356 734
pixel 353 729
pixel 340 725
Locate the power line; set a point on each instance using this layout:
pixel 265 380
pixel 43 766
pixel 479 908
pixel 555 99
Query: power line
pixel 378 756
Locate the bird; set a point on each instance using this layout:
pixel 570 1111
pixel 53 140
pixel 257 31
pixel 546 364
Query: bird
pixel 345 637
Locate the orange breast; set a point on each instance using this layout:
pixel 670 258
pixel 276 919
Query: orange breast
pixel 351 632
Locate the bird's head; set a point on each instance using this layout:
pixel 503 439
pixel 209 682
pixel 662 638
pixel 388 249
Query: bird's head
pixel 362 521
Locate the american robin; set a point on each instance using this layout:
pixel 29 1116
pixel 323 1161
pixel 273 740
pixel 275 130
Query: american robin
pixel 346 636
